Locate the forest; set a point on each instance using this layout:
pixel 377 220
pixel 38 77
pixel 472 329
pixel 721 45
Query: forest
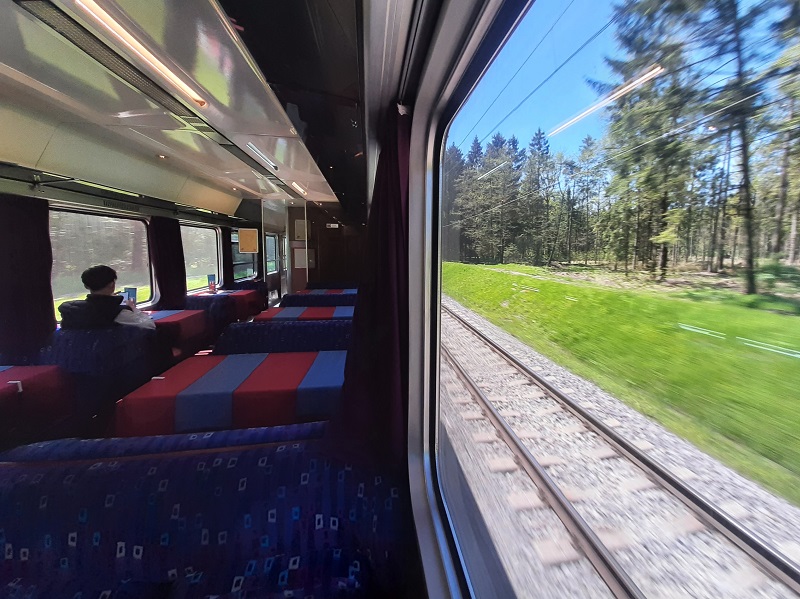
pixel 697 168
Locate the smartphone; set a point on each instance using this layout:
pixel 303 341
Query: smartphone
pixel 130 293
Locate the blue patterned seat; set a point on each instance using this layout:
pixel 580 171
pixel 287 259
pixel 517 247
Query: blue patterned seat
pixel 105 364
pixel 291 336
pixel 90 449
pixel 272 520
pixel 221 310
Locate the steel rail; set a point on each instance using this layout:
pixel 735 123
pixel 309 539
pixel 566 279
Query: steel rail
pixel 769 559
pixel 612 574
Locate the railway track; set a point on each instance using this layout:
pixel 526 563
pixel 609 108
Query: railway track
pixel 619 581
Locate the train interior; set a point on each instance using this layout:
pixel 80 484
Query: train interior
pixel 245 171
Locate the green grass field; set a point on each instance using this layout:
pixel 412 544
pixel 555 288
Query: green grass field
pixel 738 402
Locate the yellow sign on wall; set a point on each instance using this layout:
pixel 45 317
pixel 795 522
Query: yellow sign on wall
pixel 248 241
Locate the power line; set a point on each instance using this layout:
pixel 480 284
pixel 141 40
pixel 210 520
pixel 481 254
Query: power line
pixel 550 76
pixel 524 62
pixel 563 64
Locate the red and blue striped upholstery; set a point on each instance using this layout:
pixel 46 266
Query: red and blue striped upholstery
pixel 235 391
pixel 306 313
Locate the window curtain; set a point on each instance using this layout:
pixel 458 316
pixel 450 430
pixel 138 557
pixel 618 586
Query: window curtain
pixel 27 317
pixel 166 253
pixel 373 421
pixel 227 258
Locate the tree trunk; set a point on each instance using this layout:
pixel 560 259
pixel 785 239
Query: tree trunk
pixel 714 227
pixel 778 243
pixel 636 237
pixel 744 138
pixel 723 203
pixel 664 224
pixel 792 246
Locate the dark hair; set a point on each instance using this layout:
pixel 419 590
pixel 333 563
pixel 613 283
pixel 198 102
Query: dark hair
pixel 97 277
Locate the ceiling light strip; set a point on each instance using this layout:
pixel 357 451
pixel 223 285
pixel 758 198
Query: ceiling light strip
pixel 86 41
pixel 261 155
pixel 129 41
pixel 299 188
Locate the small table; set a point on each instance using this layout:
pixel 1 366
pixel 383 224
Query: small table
pixel 235 391
pixel 248 301
pixel 31 395
pixel 306 313
pixel 179 326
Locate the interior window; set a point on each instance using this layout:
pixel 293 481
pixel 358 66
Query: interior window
pixel 201 255
pixel 81 240
pixel 244 265
pixel 271 248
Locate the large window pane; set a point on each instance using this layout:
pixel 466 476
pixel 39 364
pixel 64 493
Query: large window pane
pixel 244 265
pixel 201 254
pixel 82 240
pixel 619 193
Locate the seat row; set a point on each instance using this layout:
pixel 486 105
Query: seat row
pixel 72 386
pixel 285 366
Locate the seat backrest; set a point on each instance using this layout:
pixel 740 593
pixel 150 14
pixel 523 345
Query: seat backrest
pixel 98 351
pixel 221 309
pixel 105 363
pixel 163 521
pixel 290 336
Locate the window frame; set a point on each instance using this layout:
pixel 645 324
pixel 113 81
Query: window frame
pixel 461 49
pixel 276 239
pixel 254 261
pixel 154 294
pixel 218 254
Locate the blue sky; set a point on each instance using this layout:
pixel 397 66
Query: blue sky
pixel 581 20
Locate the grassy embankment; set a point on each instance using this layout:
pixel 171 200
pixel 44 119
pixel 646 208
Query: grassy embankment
pixel 739 403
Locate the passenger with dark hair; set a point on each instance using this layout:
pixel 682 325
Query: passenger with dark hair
pixel 101 308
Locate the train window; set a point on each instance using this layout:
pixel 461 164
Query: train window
pixel 201 255
pixel 244 265
pixel 81 240
pixel 271 252
pixel 619 213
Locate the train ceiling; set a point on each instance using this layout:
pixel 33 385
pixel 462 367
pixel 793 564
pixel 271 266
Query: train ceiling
pixel 207 104
pixel 309 52
pixel 160 98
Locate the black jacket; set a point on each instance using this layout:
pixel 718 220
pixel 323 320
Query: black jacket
pixel 95 312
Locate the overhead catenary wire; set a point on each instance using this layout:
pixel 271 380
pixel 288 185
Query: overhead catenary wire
pixel 586 43
pixel 524 62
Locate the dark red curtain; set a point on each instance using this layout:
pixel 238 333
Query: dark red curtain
pixel 227 258
pixel 166 253
pixel 27 317
pixel 372 423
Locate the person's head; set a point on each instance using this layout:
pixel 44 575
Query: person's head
pixel 100 280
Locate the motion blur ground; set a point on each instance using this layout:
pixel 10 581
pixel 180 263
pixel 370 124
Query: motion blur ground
pixel 664 547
